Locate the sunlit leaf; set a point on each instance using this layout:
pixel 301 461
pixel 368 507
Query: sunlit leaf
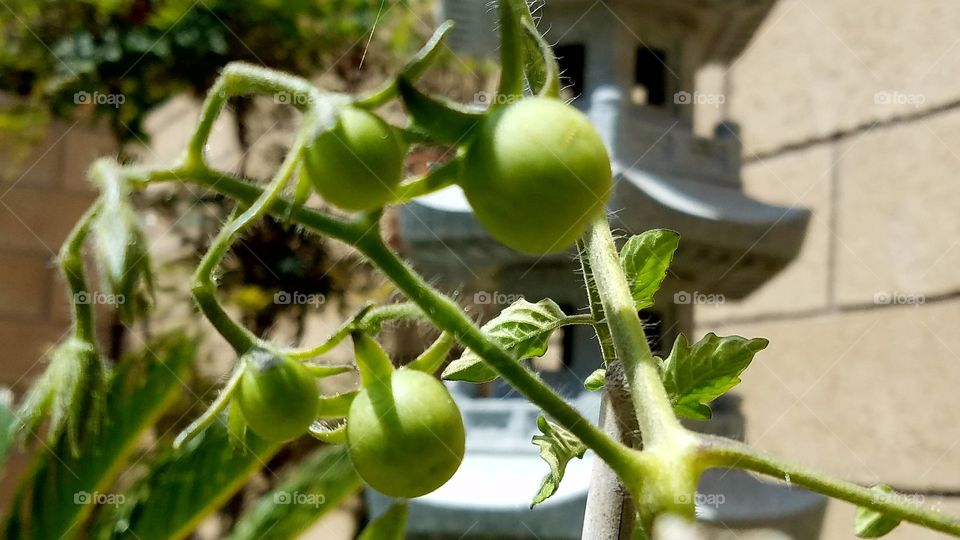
pixel 695 376
pixel 645 259
pixel 869 523
pixel 523 329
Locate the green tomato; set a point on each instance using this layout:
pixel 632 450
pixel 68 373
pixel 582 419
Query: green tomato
pixel 405 436
pixel 277 396
pixel 358 164
pixel 536 174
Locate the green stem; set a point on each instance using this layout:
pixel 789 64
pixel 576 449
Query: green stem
pixel 218 405
pixel 433 357
pixel 596 306
pixel 658 424
pixel 720 452
pixel 447 316
pixel 71 264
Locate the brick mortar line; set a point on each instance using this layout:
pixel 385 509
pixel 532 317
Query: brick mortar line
pixel 858 129
pixel 819 312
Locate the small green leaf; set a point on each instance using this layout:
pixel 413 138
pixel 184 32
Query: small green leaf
pixel 869 523
pixel 389 526
pixel 523 329
pixel 8 421
pixel 645 259
pixel 695 376
pixel 596 380
pixel 557 447
pixel 317 485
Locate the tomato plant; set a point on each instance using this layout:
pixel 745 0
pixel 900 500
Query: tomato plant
pixel 537 176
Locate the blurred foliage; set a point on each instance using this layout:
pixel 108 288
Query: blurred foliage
pixel 121 58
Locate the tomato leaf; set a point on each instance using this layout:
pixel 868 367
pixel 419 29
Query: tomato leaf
pixel 869 523
pixel 695 376
pixel 645 259
pixel 142 387
pixel 523 329
pixel 596 380
pixel 389 526
pixel 557 447
pixel 317 485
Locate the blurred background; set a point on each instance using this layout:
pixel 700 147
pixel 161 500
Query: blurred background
pixel 805 149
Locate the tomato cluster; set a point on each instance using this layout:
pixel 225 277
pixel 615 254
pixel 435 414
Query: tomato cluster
pixel 535 172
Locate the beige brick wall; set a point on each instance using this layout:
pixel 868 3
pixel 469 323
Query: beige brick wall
pixel 40 199
pixel 852 382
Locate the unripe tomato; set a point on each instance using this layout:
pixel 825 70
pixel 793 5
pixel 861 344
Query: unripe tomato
pixel 406 436
pixel 277 396
pixel 536 174
pixel 357 164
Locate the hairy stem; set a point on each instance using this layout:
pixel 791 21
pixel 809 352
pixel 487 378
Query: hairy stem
pixel 721 452
pixel 71 264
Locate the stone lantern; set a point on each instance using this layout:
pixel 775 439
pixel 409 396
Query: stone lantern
pixel 630 66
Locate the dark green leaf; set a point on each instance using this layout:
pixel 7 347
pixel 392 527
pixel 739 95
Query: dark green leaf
pixel 143 386
pixel 190 483
pixel 389 526
pixel 522 329
pixel 869 523
pixel 645 259
pixel 596 380
pixel 317 485
pixel 557 447
pixel 695 376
